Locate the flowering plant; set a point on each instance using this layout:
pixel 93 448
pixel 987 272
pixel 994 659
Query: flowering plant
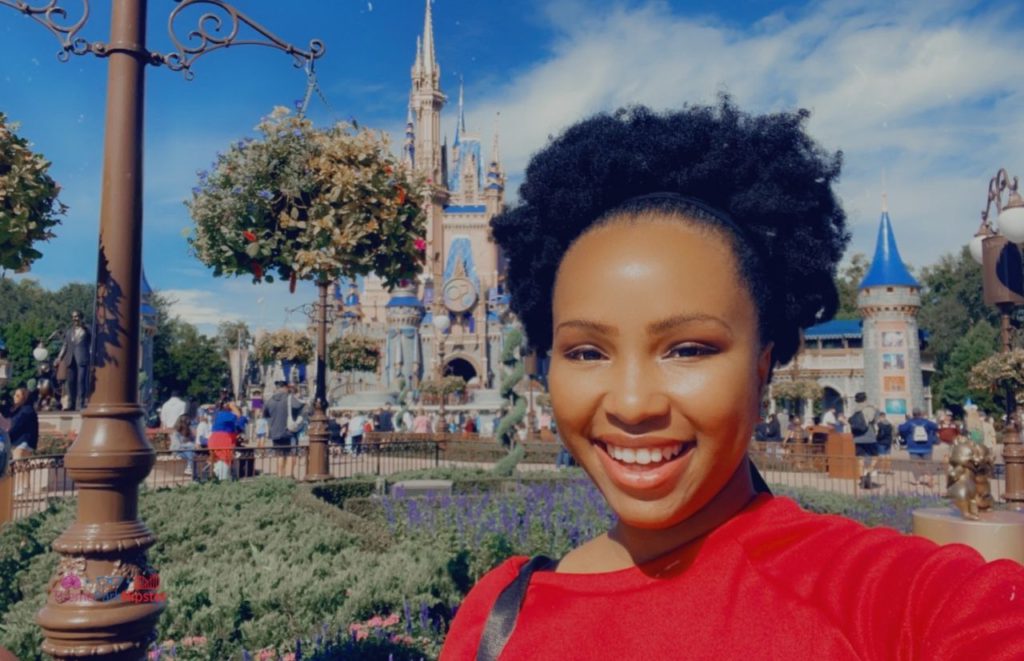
pixel 998 372
pixel 449 385
pixel 284 344
pixel 354 353
pixel 308 204
pixel 796 390
pixel 28 200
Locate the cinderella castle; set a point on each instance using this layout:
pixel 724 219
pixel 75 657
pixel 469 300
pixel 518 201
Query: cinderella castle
pixel 449 322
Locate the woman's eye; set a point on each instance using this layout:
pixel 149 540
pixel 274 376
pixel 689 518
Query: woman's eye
pixel 584 353
pixel 690 350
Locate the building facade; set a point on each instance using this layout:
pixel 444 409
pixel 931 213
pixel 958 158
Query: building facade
pixel 463 270
pixel 879 354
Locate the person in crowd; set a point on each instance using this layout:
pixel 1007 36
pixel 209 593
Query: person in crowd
pixel 421 423
pixel 774 431
pixel 829 418
pixel 648 253
pixel 173 408
pixel 262 429
pixel 470 426
pixel 795 432
pixel 228 425
pixel 842 425
pixel 354 436
pixel 204 427
pixel 387 419
pixel 22 428
pixel 183 443
pixel 883 436
pixel 334 435
pixel 920 435
pixel 408 420
pixel 865 443
pixel 281 410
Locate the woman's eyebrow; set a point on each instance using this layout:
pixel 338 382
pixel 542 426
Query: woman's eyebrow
pixel 675 321
pixel 585 324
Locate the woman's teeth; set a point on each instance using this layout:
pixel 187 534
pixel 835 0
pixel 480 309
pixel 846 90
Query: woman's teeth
pixel 644 456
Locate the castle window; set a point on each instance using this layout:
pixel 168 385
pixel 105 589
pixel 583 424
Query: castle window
pixel 832 343
pixel 889 289
pixel 855 343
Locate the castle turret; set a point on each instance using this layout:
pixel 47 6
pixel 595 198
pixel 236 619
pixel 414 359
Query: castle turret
pixel 427 100
pixel 494 184
pixel 889 300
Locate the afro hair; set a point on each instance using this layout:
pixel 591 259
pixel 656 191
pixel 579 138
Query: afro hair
pixel 764 172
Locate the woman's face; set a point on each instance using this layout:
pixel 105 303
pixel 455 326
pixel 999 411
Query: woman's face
pixel 656 366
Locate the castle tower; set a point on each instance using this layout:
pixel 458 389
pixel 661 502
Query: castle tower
pixel 494 184
pixel 426 101
pixel 889 300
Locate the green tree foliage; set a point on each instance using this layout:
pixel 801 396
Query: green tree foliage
pixel 848 283
pixel 354 353
pixel 185 361
pixel 980 342
pixel 30 313
pixel 232 334
pixel 29 208
pixel 952 304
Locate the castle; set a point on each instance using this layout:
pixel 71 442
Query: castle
pixel 461 280
pixel 879 354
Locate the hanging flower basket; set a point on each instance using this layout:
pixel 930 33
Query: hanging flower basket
pixel 354 353
pixel 798 390
pixel 999 372
pixel 284 345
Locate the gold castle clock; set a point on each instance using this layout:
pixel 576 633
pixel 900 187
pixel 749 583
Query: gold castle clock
pixel 458 294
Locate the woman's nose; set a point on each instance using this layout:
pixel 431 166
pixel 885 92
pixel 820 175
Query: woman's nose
pixel 636 393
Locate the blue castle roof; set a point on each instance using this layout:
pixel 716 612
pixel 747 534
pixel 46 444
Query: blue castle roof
pixel 887 268
pixel 834 329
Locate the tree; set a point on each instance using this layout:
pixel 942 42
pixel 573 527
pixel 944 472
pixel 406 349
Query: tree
pixel 185 361
pixel 952 302
pixel 979 343
pixel 29 207
pixel 30 314
pixel 848 285
pixel 232 334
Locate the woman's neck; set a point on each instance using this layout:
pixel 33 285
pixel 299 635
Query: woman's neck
pixel 638 546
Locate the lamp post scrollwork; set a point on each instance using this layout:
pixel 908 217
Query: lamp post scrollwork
pixel 111 455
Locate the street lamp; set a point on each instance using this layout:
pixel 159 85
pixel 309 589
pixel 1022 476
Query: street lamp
pixel 104 549
pixel 996 249
pixel 441 325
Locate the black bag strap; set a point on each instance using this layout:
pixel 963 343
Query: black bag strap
pixel 760 486
pixel 502 618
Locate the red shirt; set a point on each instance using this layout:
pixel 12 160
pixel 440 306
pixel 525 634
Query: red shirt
pixel 222 445
pixel 774 582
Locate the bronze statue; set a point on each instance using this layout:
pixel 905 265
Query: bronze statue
pixel 967 478
pixel 73 362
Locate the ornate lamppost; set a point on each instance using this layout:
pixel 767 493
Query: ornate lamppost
pixel 996 248
pixel 104 549
pixel 319 314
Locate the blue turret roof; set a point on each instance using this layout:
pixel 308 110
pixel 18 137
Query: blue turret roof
pixel 887 269
pixel 834 329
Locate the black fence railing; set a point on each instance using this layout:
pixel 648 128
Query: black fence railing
pixel 32 483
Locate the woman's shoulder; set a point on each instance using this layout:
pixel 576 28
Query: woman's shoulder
pixel 464 636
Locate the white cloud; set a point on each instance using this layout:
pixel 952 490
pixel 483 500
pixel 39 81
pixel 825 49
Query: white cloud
pixel 922 92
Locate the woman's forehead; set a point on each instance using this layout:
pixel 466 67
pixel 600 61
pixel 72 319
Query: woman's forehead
pixel 634 271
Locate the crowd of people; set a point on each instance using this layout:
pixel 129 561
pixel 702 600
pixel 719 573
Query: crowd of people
pixel 874 435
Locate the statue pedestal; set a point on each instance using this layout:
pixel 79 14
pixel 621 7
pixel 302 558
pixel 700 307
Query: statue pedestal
pixel 999 534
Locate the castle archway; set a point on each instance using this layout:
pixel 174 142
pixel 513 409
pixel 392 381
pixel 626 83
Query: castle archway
pixel 460 367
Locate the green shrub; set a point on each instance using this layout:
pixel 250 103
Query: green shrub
pixel 337 492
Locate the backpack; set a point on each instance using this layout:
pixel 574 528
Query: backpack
pixel 295 422
pixel 858 424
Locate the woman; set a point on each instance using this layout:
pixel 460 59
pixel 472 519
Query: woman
pixel 228 424
pixel 664 315
pixel 182 443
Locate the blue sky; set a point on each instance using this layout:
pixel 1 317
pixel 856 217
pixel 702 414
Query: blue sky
pixel 925 96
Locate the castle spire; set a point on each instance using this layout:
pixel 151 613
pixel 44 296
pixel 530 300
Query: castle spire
pixel 409 146
pixel 495 150
pixel 417 66
pixel 461 126
pixel 429 57
pixel 887 268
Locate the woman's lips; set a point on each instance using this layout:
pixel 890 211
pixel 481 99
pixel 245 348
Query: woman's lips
pixel 643 464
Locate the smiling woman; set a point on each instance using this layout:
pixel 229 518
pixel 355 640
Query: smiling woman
pixel 668 263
